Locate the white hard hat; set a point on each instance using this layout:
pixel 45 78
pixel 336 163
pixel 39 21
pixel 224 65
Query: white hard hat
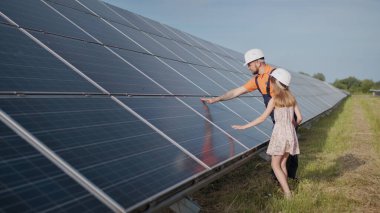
pixel 252 55
pixel 282 76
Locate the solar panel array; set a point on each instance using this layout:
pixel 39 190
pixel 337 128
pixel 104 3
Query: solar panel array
pixel 100 107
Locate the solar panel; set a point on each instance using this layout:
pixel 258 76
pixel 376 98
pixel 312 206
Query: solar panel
pixel 161 73
pixel 136 21
pixel 224 118
pixel 101 65
pixel 180 49
pixel 164 29
pixel 26 66
pixel 203 81
pixel 250 108
pixel 108 145
pixel 116 97
pixel 99 8
pixel 99 29
pixel 29 182
pixel 37 15
pixel 148 42
pixel 191 131
pixel 222 79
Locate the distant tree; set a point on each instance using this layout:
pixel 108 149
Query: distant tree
pixel 366 85
pixel 354 85
pixel 376 85
pixel 304 73
pixel 319 76
pixel 340 85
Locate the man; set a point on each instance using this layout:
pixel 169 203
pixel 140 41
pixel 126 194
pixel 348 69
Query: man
pixel 255 61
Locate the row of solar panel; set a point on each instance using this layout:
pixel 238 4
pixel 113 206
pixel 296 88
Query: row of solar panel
pixel 104 34
pixel 113 149
pixel 113 34
pixel 106 143
pixel 116 70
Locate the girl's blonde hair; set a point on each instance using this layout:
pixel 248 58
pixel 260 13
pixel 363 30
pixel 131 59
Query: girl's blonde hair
pixel 282 95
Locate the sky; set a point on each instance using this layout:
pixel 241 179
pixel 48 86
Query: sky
pixel 339 38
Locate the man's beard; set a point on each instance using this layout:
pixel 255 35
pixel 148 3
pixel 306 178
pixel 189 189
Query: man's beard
pixel 255 73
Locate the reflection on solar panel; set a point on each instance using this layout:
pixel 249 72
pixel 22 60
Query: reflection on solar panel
pixel 100 108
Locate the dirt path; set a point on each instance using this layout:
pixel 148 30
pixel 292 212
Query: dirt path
pixel 361 165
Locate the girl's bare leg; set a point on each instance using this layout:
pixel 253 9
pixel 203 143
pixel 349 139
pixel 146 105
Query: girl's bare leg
pixel 283 163
pixel 276 166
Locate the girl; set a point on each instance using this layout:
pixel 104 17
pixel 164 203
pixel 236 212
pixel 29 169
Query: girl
pixel 284 138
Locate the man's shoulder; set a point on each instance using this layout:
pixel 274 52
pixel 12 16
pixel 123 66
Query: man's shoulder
pixel 269 68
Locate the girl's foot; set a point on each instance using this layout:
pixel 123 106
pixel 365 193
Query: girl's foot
pixel 288 195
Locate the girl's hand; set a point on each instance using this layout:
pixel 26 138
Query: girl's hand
pixel 239 127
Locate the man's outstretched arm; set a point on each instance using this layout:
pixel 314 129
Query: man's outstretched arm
pixel 226 96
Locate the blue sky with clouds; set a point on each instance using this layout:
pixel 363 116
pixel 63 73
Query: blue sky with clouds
pixel 339 38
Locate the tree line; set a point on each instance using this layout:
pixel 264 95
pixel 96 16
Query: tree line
pixel 350 84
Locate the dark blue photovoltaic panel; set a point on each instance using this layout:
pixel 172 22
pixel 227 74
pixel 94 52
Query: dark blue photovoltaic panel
pixel 101 65
pixel 104 142
pixel 137 21
pixel 311 106
pixel 217 77
pixel 29 182
pixel 72 4
pixel 237 55
pixel 197 77
pixel 36 15
pixel 250 108
pixel 187 128
pixel 206 57
pixel 162 28
pixel 219 60
pixel 318 103
pixel 26 66
pixel 178 49
pixel 102 10
pixel 161 73
pixel 146 41
pixel 98 28
pixel 233 77
pixel 224 118
pixel 222 80
pixel 196 57
pixel 306 113
pixel 243 76
pixel 238 66
pixel 208 45
pixel 185 37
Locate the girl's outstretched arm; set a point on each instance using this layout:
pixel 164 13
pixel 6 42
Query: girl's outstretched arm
pixel 298 113
pixel 258 120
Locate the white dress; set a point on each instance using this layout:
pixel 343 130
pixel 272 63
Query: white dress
pixel 284 137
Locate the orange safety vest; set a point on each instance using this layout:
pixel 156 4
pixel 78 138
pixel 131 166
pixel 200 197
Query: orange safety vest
pixel 261 82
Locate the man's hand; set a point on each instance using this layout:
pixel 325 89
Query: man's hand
pixel 209 100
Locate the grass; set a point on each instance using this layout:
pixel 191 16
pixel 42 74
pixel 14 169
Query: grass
pixel 338 169
pixel 371 107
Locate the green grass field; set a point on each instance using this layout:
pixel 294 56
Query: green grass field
pixel 339 169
